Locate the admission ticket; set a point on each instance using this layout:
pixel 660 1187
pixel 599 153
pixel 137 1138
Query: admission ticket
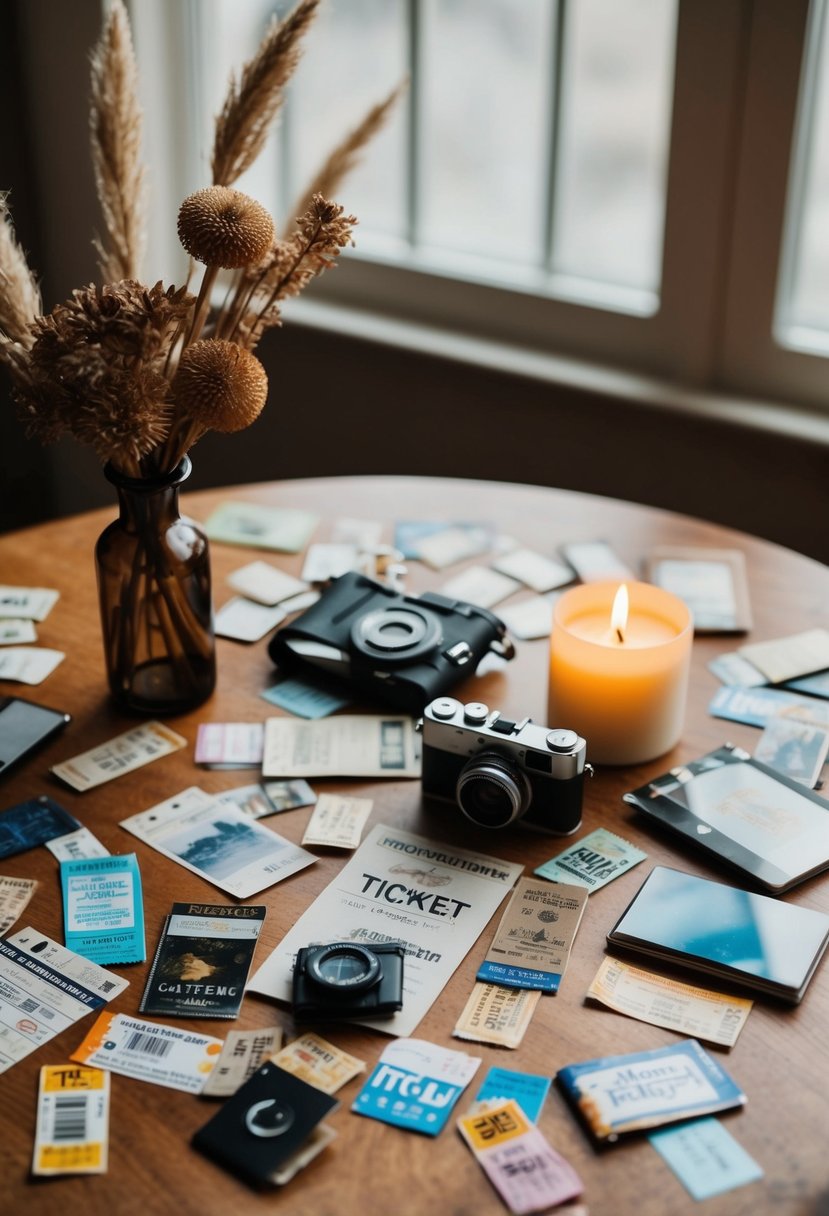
pixel 593 861
pixel 44 988
pixel 148 1051
pixel 120 755
pixel 497 1015
pixel 243 1052
pixel 533 941
pixel 15 894
pixel 435 898
pixel 661 1001
pixel 352 745
pixel 72 1135
pixel 337 821
pixel 319 1062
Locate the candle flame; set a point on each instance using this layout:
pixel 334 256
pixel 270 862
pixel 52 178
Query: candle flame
pixel 619 613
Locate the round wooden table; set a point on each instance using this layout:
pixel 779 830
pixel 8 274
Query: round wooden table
pixel 780 1059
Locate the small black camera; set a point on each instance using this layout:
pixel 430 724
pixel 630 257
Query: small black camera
pixel 404 650
pixel 499 771
pixel 347 980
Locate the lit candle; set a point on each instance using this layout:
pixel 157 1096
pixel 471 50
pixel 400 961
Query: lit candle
pixel 619 673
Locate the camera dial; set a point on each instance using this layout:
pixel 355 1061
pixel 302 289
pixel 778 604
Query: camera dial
pixel 345 966
pixel 397 635
pixel 491 791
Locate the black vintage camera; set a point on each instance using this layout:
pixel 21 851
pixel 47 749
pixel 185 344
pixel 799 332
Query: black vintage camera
pixel 401 649
pixel 501 772
pixel 347 980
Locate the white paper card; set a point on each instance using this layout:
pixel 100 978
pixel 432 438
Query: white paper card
pixel 538 572
pixel 351 745
pixel 31 603
pixel 435 898
pixel 452 545
pixel 28 664
pixel 337 821
pixel 120 755
pixel 15 633
pixel 326 561
pixel 529 619
pixel 75 846
pixel 245 621
pixel 481 586
pixel 265 583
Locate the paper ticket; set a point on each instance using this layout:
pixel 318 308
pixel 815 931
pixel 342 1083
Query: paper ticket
pixel 661 1001
pixel 72 1133
pixel 243 1052
pixel 533 941
pixel 28 664
pixel 337 821
pixel 265 583
pixel 528 1174
pixel 30 603
pixel 75 845
pixel 148 1051
pixel 787 658
pixel 236 744
pixel 120 755
pixel 352 745
pixel 15 894
pixel 14 633
pixel 593 861
pixel 319 1062
pixel 497 1015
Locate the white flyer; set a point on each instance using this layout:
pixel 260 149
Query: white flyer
pixel 29 603
pixel 28 664
pixel 44 988
pixel 434 898
pixel 219 842
pixel 350 745
pixel 120 755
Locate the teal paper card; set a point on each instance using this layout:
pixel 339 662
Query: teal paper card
pixel 305 699
pixel 705 1157
pixel 592 861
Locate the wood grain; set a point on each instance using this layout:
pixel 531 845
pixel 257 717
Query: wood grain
pixel 780 1058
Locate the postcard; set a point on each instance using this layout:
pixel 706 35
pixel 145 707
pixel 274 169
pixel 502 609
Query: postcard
pixel 415 1085
pixel 593 861
pixel 32 823
pixel 533 941
pixel 528 1089
pixel 243 1052
pixel 15 894
pixel 72 1130
pixel 352 745
pixel 494 1014
pixel 285 529
pixel 661 1000
pixel 148 1051
pixel 528 1174
pixel 619 1094
pixel 796 749
pixel 120 755
pixel 103 910
pixel 435 898
pixel 219 842
pixel 202 962
pixel 44 988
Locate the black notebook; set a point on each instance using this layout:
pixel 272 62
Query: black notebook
pixel 753 941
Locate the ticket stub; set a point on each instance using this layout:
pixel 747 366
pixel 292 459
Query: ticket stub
pixel 15 894
pixel 533 941
pixel 243 1052
pixel 103 911
pixel 352 745
pixel 319 1062
pixel 660 1001
pixel 593 861
pixel 148 1051
pixel 13 633
pixel 337 821
pixel 120 755
pixel 497 1015
pixel 29 664
pixel 528 1174
pixel 72 1133
pixel 230 744
pixel 415 1085
pixel 30 603
pixel 75 845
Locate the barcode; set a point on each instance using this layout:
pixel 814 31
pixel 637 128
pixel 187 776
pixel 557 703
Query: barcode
pixel 148 1044
pixel 106 985
pixel 70 1117
pixel 46 1014
pixel 28 1006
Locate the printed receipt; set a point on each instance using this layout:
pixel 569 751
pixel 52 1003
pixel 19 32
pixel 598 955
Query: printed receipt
pixel 667 1002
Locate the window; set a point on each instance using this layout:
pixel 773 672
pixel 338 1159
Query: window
pixel 612 180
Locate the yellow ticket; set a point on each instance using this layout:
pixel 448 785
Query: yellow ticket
pixel 72 1135
pixel 318 1062
pixel 661 1001
pixel 497 1015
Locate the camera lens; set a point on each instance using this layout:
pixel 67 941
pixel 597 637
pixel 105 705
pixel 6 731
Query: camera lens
pixel 395 635
pixel 345 966
pixel 491 791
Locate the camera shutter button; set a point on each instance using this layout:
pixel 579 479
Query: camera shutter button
pixel 562 740
pixel 475 713
pixel 445 708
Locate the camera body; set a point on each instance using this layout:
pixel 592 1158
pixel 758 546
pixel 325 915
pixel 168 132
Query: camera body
pixel 401 649
pixel 348 980
pixel 501 772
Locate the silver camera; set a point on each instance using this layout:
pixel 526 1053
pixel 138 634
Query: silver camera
pixel 499 771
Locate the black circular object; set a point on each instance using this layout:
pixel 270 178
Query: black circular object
pixel 491 791
pixel 269 1118
pixel 345 966
pixel 397 634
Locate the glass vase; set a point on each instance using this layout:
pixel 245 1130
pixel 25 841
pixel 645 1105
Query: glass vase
pixel 153 569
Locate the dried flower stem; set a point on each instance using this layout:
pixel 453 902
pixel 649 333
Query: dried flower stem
pixel 19 294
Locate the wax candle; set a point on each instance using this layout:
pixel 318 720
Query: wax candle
pixel 621 682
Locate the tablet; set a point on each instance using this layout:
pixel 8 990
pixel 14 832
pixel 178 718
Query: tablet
pixel 754 941
pixel 765 825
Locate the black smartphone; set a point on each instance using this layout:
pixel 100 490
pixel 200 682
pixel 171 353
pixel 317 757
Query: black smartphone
pixel 24 726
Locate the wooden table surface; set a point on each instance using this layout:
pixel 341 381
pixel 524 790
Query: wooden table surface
pixel 780 1058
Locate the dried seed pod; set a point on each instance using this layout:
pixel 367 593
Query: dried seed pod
pixel 219 385
pixel 224 227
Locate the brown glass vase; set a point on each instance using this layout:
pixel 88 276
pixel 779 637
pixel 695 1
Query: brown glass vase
pixel 153 567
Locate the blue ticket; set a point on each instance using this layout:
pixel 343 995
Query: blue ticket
pixel 528 1089
pixel 593 861
pixel 103 912
pixel 305 699
pixel 32 823
pixel 415 1085
pixel 752 706
pixel 705 1157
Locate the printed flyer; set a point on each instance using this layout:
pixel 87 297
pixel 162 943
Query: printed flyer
pixel 435 898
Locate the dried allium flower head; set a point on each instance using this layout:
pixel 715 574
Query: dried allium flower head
pixel 220 386
pixel 223 227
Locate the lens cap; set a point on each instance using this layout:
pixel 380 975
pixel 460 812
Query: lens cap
pixel 397 635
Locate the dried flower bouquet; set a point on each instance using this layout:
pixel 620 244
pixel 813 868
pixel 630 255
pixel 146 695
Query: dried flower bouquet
pixel 141 372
